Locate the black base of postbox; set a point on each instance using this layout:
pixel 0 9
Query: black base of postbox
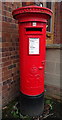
pixel 32 105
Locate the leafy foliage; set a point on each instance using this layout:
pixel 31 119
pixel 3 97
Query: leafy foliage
pixel 12 111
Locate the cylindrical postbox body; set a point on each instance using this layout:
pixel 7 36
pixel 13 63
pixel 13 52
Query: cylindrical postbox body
pixel 32 35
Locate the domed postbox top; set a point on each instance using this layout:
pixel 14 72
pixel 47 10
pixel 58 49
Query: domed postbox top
pixel 32 12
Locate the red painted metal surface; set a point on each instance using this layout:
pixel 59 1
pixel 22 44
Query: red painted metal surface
pixel 32 64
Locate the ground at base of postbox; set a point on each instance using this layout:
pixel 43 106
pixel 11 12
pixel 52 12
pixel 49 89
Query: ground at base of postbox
pixel 52 111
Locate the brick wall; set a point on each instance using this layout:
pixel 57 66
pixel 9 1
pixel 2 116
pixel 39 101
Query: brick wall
pixel 57 24
pixel 61 21
pixel 10 53
pixel 0 61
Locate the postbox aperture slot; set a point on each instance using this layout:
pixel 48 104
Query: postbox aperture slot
pixel 33 29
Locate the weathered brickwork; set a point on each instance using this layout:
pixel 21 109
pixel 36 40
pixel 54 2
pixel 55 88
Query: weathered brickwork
pixel 57 24
pixel 10 53
pixel 0 61
pixel 61 22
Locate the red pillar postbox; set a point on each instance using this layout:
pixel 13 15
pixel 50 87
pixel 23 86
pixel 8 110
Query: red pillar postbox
pixel 32 30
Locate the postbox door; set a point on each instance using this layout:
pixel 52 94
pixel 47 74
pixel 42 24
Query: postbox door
pixel 32 64
pixel 35 63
